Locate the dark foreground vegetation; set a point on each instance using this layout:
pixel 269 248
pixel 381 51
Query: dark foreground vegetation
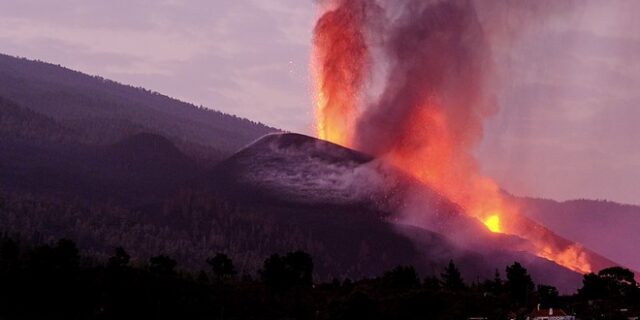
pixel 55 281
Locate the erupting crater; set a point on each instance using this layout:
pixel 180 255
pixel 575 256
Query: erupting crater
pixel 430 112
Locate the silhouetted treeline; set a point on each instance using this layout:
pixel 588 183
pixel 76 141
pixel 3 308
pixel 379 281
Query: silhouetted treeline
pixel 56 281
pixel 192 225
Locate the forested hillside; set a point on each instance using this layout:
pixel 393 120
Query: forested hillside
pixel 101 111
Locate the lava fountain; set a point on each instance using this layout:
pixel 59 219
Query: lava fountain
pixel 340 62
pixel 429 115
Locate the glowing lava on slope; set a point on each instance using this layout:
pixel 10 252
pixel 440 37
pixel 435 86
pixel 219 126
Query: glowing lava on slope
pixel 493 223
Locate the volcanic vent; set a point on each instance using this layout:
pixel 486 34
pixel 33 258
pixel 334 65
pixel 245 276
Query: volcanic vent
pixel 347 198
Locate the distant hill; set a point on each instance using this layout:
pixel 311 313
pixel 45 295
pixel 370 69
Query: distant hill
pixel 139 169
pixel 17 122
pixel 102 111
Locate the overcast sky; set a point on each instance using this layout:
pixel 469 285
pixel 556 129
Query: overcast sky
pixel 568 125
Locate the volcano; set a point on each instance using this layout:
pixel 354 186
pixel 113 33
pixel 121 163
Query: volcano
pixel 318 181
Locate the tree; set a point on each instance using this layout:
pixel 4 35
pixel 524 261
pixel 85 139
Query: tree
pixel 358 306
pixel 547 296
pixel 119 259
pixel 293 270
pixel 401 278
pixel 300 264
pixel 519 284
pixel 162 265
pixel 9 251
pixel 67 254
pixel 274 273
pixel 451 278
pixel 222 266
pixel 593 287
pixel 615 283
pixel 431 283
pixel 496 284
pixel 619 276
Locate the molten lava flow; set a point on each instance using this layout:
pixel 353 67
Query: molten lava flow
pixel 340 56
pixel 428 150
pixel 493 223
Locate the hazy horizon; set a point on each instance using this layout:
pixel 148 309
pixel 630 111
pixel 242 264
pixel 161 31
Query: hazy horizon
pixel 566 126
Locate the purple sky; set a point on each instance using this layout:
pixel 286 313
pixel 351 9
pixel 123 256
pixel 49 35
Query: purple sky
pixel 569 120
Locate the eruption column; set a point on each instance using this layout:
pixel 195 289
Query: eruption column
pixel 430 112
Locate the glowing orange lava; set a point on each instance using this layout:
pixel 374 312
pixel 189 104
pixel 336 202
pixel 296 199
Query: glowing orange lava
pixel 440 161
pixel 438 158
pixel 339 61
pixel 493 223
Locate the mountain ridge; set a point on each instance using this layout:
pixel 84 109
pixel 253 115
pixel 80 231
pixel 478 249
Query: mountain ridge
pixel 101 108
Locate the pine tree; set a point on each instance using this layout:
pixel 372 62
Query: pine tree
pixel 451 278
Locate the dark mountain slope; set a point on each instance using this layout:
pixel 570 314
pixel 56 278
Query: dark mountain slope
pixel 19 123
pixel 136 170
pixel 106 111
pixel 338 193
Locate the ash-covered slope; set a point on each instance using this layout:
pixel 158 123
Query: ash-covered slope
pixel 296 168
pixel 350 200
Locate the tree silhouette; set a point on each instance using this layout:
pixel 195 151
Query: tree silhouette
pixel 9 252
pixel 49 282
pixel 300 265
pixel 496 284
pixel 162 265
pixel 519 284
pixel 618 275
pixel 293 270
pixel 66 255
pixel 222 266
pixel 119 259
pixel 615 283
pixel 548 296
pixel 402 278
pixel 593 287
pixel 451 278
pixel 358 306
pixel 274 273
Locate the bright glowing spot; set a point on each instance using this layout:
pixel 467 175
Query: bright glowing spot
pixel 493 223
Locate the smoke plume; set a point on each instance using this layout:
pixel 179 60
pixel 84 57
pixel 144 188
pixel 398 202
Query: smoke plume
pixel 436 73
